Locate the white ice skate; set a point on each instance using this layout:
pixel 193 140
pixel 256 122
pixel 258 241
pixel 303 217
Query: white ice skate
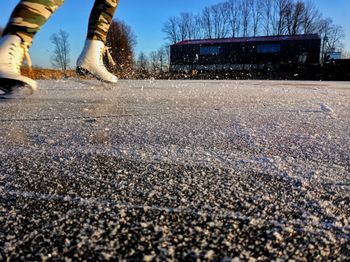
pixel 90 62
pixel 12 83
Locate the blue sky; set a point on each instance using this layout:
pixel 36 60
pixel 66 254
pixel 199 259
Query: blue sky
pixel 145 17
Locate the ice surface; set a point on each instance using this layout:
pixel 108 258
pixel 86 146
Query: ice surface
pixel 177 169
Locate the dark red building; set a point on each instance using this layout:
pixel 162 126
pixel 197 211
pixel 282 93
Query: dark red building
pixel 245 53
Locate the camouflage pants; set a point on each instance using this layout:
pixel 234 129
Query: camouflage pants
pixel 29 16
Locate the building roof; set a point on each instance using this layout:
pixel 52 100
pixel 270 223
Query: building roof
pixel 249 39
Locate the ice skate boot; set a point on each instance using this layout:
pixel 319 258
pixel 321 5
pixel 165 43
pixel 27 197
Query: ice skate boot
pixel 12 83
pixel 90 62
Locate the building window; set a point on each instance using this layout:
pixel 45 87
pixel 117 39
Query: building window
pixel 269 48
pixel 209 50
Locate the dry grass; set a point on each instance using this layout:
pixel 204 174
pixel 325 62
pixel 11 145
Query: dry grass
pixel 45 74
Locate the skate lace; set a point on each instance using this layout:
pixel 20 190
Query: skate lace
pixel 17 58
pixel 26 55
pixel 105 51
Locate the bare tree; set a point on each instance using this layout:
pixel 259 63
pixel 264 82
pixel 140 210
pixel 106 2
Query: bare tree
pixel 163 59
pixel 324 28
pixel 266 7
pixel 207 22
pixel 166 49
pixel 345 55
pixel 332 36
pixel 335 37
pixel 183 25
pixel 311 19
pixel 171 30
pixel 197 28
pixel 233 8
pixel 192 25
pixel 186 26
pixel 189 26
pixel 294 14
pixel 142 65
pixel 280 11
pixel 159 60
pixel 245 15
pixel 60 58
pixel 256 15
pixel 154 62
pixel 220 20
pixel 121 41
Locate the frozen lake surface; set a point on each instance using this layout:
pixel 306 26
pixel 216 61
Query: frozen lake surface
pixel 209 170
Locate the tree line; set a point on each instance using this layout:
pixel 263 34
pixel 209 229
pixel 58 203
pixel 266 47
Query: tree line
pixel 244 18
pixel 121 41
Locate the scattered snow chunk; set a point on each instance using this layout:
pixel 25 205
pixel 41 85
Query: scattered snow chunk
pixel 326 108
pixel 210 254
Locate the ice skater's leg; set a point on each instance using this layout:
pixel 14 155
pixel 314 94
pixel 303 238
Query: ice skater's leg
pixel 100 19
pixel 25 21
pixel 91 58
pixel 29 16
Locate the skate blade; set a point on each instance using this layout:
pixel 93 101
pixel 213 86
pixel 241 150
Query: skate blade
pixel 94 80
pixel 14 89
pixel 95 84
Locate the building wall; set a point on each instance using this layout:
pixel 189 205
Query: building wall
pixel 244 56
